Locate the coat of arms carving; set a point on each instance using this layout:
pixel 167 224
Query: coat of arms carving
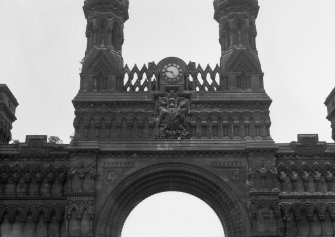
pixel 234 175
pixel 172 117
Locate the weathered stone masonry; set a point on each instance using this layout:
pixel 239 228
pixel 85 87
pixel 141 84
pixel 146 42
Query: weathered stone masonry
pixel 169 126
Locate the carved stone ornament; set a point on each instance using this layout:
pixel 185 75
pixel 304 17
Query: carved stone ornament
pixel 110 175
pixel 172 117
pixel 234 175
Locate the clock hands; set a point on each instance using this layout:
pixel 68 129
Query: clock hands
pixel 171 72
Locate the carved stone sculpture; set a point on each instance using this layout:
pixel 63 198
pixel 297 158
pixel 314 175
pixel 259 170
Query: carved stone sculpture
pixel 172 117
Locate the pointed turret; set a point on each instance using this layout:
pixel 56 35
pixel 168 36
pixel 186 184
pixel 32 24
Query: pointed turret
pixel 101 77
pixel 238 43
pixel 103 62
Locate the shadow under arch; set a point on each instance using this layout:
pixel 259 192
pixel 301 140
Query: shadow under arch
pixel 172 177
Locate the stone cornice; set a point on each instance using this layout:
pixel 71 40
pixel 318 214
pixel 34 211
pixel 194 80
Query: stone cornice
pixel 196 147
pixel 307 197
pixel 33 198
pixel 192 145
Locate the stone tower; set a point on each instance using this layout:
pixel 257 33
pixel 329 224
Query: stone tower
pixel 102 66
pixel 227 102
pixel 8 104
pixel 238 35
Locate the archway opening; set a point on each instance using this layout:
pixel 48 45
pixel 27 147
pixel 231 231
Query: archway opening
pixel 181 177
pixel 172 214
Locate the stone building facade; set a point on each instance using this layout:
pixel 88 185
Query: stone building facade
pixel 169 126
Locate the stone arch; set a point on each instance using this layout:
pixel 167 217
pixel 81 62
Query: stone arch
pixel 172 177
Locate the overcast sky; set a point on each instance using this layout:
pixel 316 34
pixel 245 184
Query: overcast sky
pixel 43 41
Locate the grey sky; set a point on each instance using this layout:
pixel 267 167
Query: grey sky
pixel 42 42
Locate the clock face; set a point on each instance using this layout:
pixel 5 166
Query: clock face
pixel 172 72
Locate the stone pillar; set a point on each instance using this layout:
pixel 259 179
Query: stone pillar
pixel 322 223
pixel 86 127
pixel 194 129
pixel 118 130
pixel 310 220
pixel 282 178
pixel 90 230
pixel 204 125
pixel 305 178
pixel 81 175
pixel 317 180
pixel 70 179
pixel 108 130
pixel 78 222
pixel 67 224
pixel 329 180
pixel 3 183
pixel 294 179
pixel 210 130
pixel 97 130
pixel 130 127
pixel 299 227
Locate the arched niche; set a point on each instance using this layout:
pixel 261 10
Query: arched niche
pixel 172 177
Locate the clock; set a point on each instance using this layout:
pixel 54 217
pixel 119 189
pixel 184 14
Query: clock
pixel 172 72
